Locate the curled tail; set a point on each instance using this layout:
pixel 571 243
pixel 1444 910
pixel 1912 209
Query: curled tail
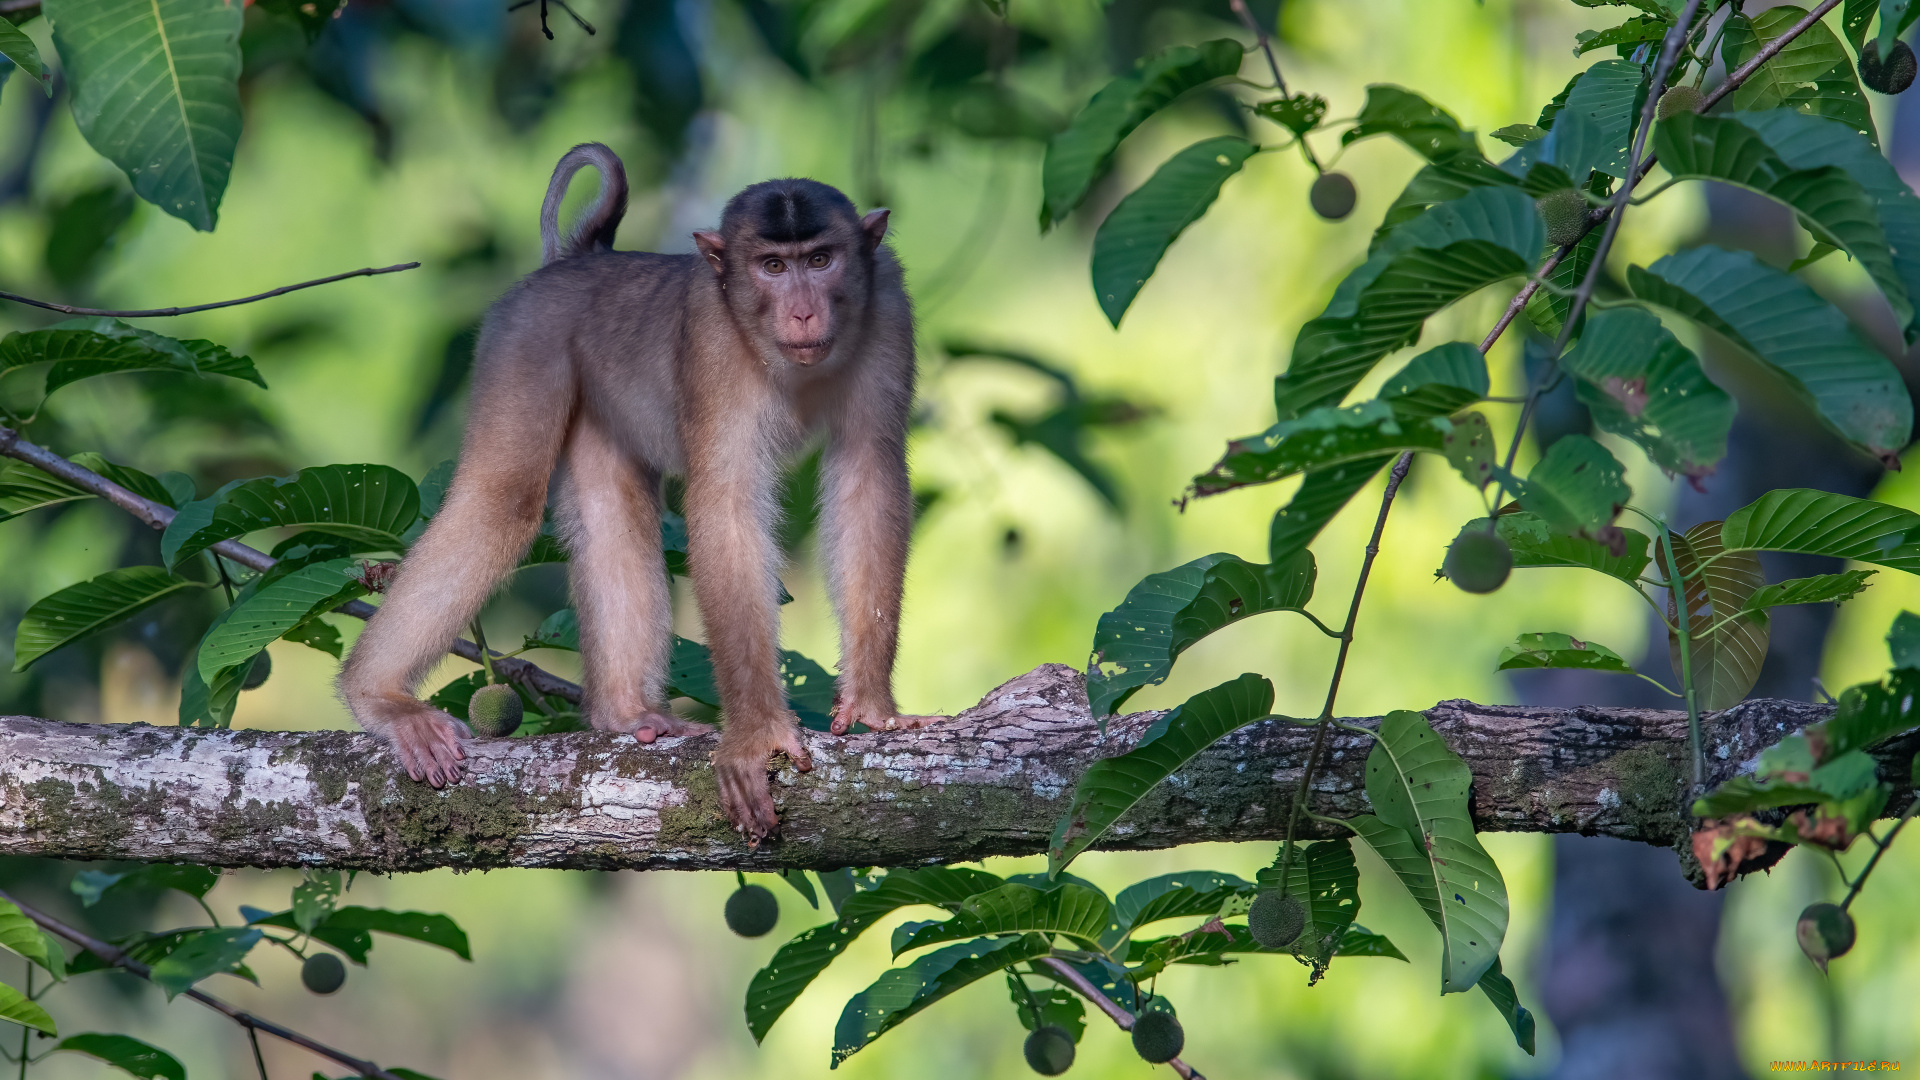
pixel 601 220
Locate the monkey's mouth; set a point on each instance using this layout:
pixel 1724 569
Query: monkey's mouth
pixel 807 353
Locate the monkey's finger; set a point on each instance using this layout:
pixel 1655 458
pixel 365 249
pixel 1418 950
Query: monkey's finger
pixel 797 751
pixel 645 733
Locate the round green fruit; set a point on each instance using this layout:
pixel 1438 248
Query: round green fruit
pixel 323 973
pixel 1565 213
pixel 1275 920
pixel 495 711
pixel 1825 931
pixel 257 674
pixel 752 911
pixel 1049 1050
pixel 1478 560
pixel 1679 99
pixel 1157 1036
pixel 1332 196
pixel 1891 77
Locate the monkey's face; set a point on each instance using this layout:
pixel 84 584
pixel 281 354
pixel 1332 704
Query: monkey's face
pixel 799 292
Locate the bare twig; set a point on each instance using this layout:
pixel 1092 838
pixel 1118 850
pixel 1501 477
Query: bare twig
pixel 155 313
pixel 1121 1017
pixel 1260 35
pixel 156 516
pixel 118 958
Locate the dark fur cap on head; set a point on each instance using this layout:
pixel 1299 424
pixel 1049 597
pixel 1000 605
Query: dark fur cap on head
pixel 786 211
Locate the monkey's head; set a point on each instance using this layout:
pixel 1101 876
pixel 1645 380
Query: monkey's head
pixel 795 260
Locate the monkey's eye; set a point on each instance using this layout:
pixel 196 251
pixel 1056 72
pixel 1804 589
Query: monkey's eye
pixel 818 260
pixel 775 266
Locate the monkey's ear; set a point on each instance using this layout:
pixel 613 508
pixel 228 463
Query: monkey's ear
pixel 713 246
pixel 875 226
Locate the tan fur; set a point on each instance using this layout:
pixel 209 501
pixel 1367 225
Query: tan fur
pixel 624 367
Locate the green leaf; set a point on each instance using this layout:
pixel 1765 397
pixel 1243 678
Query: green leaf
pixel 1452 249
pixel 419 925
pixel 16 1006
pixel 1321 438
pixel 1324 493
pixel 156 91
pixel 1422 827
pixel 24 489
pixel 1641 383
pixel 1534 543
pixel 1360 941
pixel 1561 651
pixel 1518 134
pixel 1235 589
pixel 1819 589
pixel 1439 382
pixel 91 606
pixel 1441 182
pixel 1834 207
pixel 1172 896
pixel 370 506
pixel 1815 522
pixel 25 55
pixel 1903 640
pixel 314 899
pixel 802 885
pixel 274 610
pixel 1138 232
pixel 212 702
pixel 128 1054
pixel 1499 990
pixel 82 348
pixel 1593 127
pixel 1110 787
pixel 1871 713
pixel 1071 911
pixel 24 936
pixel 1727 660
pixel 902 992
pixel 1635 30
pixel 1812 74
pixel 1426 128
pixel 1299 114
pixel 1078 157
pixel 168 489
pixel 353 944
pixel 1057 1008
pixel 194 880
pixel 1324 878
pixel 201 954
pixel 1577 488
pixel 800 960
pixel 1547 308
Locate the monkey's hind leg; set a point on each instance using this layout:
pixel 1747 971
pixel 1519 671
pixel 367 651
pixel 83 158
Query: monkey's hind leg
pixel 610 512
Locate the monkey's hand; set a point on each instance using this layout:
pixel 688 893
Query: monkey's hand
pixel 427 742
pixel 881 716
pixel 652 725
pixel 743 761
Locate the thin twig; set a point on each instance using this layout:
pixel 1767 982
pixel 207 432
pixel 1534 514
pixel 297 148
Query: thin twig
pixel 1879 850
pixel 118 958
pixel 1121 1017
pixel 157 516
pixel 1260 35
pixel 155 313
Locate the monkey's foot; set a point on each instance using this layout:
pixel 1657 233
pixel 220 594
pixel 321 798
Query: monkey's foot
pixel 649 726
pixel 427 742
pixel 877 718
pixel 743 763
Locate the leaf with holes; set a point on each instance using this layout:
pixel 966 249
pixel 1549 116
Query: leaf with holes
pixel 1450 250
pixel 1324 493
pixel 1812 522
pixel 1818 589
pixel 1641 383
pixel 1325 880
pixel 1133 238
pixel 369 506
pixel 1577 488
pixel 1109 788
pixel 1872 712
pixel 1321 438
pixel 1070 911
pixel 1726 660
pixel 902 992
pixel 1561 651
pixel 128 1054
pixel 156 91
pixel 1535 544
pixel 1426 128
pixel 1813 74
pixel 277 608
pixel 1439 382
pixel 1422 827
pixel 92 606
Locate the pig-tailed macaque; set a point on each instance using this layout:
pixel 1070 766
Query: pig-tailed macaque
pixel 624 367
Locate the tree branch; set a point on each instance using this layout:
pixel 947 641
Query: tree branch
pixel 989 782
pixel 155 313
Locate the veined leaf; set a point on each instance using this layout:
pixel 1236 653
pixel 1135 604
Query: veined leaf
pixel 1812 74
pixel 1833 206
pixel 24 936
pixel 201 954
pixel 1422 827
pixel 195 881
pixel 1726 661
pixel 423 926
pixel 1452 249
pixel 1071 911
pixel 1561 651
pixel 1426 128
pixel 901 992
pixel 1781 323
pixel 1109 788
pixel 17 1007
pixel 1138 232
pixel 1499 990
pixel 1577 488
pixel 1059 1008
pixel 1593 127
pixel 1821 523
pixel 25 55
pixel 1535 544
pixel 1172 896
pixel 24 489
pixel 1547 308
pixel 1632 32
pixel 800 960
pixel 128 1054
pixel 1324 493
pixel 1873 712
pixel 277 608
pixel 82 348
pixel 1078 157
pixel 168 489
pixel 1819 589
pixel 91 606
pixel 368 505
pixel 1323 437
pixel 1441 182
pixel 1235 589
pixel 1325 880
pixel 156 91
pixel 1360 941
pixel 212 702
pixel 1641 383
pixel 1439 382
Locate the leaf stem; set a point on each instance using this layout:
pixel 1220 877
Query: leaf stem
pixel 1679 597
pixel 1121 1018
pixel 155 313
pixel 1879 851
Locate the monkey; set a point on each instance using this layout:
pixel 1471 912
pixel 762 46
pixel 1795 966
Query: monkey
pixel 790 323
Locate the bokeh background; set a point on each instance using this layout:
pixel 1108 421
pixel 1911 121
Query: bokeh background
pixel 427 130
